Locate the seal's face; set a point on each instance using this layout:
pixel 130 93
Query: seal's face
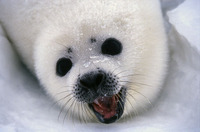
pixel 102 89
pixel 99 83
pixel 103 63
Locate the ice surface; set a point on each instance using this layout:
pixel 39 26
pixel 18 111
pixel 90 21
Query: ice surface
pixel 24 107
pixel 186 20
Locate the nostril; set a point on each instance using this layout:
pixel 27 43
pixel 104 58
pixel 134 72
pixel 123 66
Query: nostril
pixel 99 79
pixel 85 83
pixel 92 80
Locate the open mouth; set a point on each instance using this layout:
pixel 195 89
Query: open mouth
pixel 108 109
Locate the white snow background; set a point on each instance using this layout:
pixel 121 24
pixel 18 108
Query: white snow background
pixel 24 107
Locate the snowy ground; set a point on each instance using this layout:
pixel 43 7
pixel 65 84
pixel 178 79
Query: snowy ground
pixel 24 107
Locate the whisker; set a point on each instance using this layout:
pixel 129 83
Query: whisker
pixel 130 102
pixel 142 95
pixel 83 113
pixel 87 112
pixel 118 96
pixel 122 72
pixel 85 106
pixel 134 110
pixel 135 83
pixel 138 101
pixel 115 69
pixel 132 75
pixel 62 45
pixel 92 114
pixel 66 86
pixel 79 114
pixel 73 110
pixel 64 107
pixel 127 70
pixel 63 92
pixel 60 100
pixel 68 111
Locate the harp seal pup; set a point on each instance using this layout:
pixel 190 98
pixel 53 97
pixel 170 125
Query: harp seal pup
pixel 102 59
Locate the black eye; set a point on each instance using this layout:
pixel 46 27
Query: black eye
pixel 111 46
pixel 63 66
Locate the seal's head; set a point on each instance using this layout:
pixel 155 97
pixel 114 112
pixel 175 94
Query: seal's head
pixel 107 60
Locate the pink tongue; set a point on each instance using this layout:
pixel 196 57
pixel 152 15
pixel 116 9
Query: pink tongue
pixel 106 106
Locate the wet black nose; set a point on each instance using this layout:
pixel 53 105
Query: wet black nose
pixel 92 80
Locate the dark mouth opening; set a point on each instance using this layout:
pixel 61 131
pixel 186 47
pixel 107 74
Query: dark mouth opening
pixel 108 109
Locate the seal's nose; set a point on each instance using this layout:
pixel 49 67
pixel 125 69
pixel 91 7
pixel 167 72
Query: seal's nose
pixel 92 80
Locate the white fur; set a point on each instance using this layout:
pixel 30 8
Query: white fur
pixel 41 31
